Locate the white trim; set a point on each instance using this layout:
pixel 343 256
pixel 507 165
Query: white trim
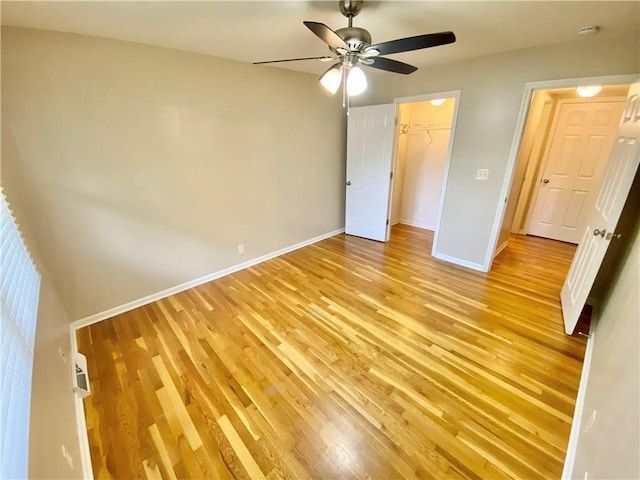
pixel 455 94
pixel 112 312
pixel 576 424
pixel 459 261
pixel 394 158
pixel 81 423
pixel 428 96
pixel 417 225
pixel 517 139
pixel 533 158
pixel 445 178
pixel 500 248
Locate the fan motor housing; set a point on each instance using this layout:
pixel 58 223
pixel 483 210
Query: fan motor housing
pixel 357 38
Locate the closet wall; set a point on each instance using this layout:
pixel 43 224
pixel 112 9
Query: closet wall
pixel 421 154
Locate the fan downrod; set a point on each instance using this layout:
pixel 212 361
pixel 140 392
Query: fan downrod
pixel 356 38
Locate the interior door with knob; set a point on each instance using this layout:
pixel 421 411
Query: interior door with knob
pixel 582 136
pixel 370 143
pixel 600 229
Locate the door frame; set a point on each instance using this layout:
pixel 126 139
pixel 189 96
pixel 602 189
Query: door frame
pixel 455 94
pixel 517 139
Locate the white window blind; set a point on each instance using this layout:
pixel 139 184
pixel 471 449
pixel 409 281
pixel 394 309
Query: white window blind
pixel 19 289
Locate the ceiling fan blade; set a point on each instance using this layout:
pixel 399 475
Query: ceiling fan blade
pixel 327 35
pixel 389 65
pixel 294 60
pixel 414 43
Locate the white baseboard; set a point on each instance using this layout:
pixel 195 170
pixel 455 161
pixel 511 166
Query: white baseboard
pixel 458 261
pixel 416 224
pixel 576 424
pixel 112 312
pixel 81 423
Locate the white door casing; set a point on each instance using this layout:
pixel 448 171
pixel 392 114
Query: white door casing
pixel 370 143
pixel 604 217
pixel 583 134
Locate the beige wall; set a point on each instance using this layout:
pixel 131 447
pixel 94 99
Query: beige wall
pixel 53 420
pixel 611 447
pixel 145 167
pixel 492 89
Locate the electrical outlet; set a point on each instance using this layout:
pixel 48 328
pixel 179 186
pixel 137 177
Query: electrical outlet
pixel 63 355
pixel 482 174
pixel 241 248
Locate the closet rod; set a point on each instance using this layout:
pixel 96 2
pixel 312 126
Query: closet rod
pixel 415 127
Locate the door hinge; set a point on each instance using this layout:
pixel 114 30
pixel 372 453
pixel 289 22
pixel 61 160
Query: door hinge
pixel 391 176
pixel 395 121
pixel 387 221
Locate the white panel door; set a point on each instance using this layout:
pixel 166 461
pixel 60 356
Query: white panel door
pixel 605 215
pixel 579 147
pixel 370 136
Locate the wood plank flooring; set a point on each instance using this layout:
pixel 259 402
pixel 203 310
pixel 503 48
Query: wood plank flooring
pixel 345 359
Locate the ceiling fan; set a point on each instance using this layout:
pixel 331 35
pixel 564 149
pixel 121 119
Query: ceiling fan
pixel 351 47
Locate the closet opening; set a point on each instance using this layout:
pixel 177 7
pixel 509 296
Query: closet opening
pixel 424 139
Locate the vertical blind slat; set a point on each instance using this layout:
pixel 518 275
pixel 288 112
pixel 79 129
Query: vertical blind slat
pixel 19 291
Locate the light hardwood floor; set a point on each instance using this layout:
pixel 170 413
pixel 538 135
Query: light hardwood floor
pixel 345 359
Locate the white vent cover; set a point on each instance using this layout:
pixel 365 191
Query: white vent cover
pixel 81 376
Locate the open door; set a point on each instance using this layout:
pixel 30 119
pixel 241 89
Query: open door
pixel 600 229
pixel 370 137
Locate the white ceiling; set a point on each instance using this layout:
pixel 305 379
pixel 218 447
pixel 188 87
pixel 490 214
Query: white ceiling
pixel 268 30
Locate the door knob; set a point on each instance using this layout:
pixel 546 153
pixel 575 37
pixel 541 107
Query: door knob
pixel 348 183
pixel 611 235
pixel 597 232
pixel 546 180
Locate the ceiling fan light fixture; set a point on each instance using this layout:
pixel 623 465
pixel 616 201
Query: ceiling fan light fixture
pixel 356 81
pixel 589 90
pixel 436 102
pixel 331 79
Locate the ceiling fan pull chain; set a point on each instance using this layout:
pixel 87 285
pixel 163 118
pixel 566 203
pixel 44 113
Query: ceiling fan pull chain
pixel 345 97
